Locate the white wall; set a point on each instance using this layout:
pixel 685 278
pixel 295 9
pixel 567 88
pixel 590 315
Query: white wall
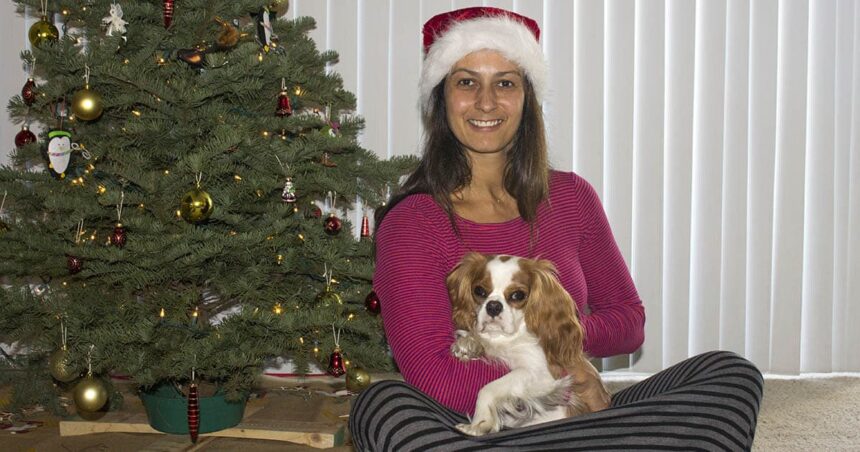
pixel 13 76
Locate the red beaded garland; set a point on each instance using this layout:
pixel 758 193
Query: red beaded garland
pixel 193 412
pixel 167 8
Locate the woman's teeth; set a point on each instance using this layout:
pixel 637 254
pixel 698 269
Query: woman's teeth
pixel 478 123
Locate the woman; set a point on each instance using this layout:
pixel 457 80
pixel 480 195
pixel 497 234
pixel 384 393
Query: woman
pixel 483 184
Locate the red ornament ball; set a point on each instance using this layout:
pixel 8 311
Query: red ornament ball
pixel 371 303
pixel 333 225
pixel 313 211
pixel 75 264
pixel 117 238
pixel 24 137
pixel 28 92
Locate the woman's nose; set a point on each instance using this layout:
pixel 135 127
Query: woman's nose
pixel 486 100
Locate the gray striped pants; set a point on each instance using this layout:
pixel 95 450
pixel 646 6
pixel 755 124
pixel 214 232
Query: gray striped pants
pixel 708 402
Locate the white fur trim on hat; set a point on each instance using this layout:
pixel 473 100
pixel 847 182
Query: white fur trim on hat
pixel 505 35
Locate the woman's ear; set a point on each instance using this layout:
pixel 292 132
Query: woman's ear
pixel 551 314
pixel 459 283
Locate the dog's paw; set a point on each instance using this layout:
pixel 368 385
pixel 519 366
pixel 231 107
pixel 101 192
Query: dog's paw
pixel 479 429
pixel 466 347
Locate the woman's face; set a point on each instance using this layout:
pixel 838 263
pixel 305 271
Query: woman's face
pixel 484 97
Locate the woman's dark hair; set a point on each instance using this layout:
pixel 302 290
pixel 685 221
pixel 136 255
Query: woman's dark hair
pixel 444 166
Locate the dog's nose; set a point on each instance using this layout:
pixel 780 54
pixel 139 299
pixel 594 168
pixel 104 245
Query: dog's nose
pixel 494 308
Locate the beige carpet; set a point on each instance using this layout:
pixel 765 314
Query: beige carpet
pixel 810 414
pixel 805 414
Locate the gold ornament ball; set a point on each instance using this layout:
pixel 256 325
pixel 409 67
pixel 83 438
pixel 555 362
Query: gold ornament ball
pixel 42 32
pixel 90 394
pixel 87 104
pixel 60 367
pixel 196 206
pixel 329 297
pixel 357 379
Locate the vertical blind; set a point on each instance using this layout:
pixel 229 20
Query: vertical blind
pixel 722 136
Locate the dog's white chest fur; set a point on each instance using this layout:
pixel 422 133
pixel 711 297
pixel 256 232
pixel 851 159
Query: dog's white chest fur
pixel 544 394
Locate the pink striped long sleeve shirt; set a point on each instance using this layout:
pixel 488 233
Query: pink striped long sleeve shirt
pixel 417 248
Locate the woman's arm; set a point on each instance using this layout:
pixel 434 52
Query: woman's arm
pixel 616 322
pixel 410 280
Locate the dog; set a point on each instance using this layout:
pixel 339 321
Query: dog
pixel 514 310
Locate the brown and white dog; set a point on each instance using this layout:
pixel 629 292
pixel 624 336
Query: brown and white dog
pixel 514 310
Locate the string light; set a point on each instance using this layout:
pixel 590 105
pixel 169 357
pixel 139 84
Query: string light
pixel 278 309
pixel 237 178
pixel 166 172
pixel 102 189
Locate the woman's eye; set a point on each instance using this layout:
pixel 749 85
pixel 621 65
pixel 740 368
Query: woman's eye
pixel 506 84
pixel 518 295
pixel 465 82
pixel 480 291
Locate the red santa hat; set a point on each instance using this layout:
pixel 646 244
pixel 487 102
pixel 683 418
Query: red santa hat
pixel 450 36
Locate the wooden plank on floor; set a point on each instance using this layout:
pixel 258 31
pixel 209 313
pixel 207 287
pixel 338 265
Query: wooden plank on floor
pixel 314 434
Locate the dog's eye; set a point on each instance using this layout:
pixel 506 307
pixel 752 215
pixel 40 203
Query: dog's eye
pixel 518 295
pixel 480 291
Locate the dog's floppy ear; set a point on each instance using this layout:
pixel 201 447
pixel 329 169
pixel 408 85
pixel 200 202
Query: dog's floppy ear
pixel 459 282
pixel 551 315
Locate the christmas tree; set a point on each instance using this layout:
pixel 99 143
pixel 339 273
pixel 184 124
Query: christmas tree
pixel 184 207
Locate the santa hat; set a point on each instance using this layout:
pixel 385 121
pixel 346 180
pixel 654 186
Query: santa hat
pixel 450 36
